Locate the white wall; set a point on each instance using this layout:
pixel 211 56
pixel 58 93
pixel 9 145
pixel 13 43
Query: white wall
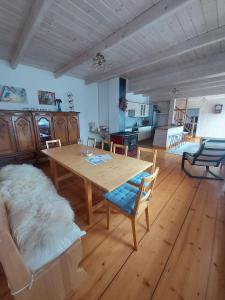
pixel 109 104
pixel 210 124
pixel 103 103
pixel 114 117
pixel 32 79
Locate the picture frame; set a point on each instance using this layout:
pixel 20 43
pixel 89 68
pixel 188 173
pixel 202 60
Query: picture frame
pixel 11 94
pixel 46 98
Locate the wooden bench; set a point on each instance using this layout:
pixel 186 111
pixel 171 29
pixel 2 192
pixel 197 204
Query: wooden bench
pixel 56 280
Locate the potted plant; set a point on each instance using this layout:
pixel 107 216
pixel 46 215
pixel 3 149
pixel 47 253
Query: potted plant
pixel 123 104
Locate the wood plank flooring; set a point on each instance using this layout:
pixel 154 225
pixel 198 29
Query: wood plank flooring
pixel 182 257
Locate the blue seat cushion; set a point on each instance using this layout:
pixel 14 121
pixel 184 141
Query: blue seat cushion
pixel 124 197
pixel 138 178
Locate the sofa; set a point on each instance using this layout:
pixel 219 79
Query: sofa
pixel 38 262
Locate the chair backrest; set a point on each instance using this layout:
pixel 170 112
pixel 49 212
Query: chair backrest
pixel 108 143
pixel 147 150
pixel 79 141
pixel 146 189
pixel 123 147
pixel 55 143
pixel 91 142
pixel 211 152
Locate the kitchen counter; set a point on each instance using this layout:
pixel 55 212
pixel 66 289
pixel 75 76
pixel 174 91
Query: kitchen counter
pixel 163 134
pixel 144 132
pixel 124 133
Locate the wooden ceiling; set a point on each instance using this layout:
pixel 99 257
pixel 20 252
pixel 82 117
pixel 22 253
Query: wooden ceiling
pixel 158 45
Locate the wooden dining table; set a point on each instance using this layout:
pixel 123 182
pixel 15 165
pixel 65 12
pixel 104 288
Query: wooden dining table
pixel 107 176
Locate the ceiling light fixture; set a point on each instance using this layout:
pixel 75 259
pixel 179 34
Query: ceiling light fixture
pixel 99 63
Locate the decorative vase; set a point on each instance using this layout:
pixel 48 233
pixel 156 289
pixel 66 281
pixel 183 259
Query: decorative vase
pixel 58 102
pixel 59 107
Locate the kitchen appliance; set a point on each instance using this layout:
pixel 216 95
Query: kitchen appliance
pixel 129 139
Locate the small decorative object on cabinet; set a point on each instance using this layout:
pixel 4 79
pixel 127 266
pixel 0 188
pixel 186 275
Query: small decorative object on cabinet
pixel 23 134
pixel 70 101
pixel 58 102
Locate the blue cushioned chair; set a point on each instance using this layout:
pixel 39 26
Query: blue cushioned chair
pixel 136 180
pixel 132 201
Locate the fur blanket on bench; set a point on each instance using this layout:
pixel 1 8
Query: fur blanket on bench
pixel 42 222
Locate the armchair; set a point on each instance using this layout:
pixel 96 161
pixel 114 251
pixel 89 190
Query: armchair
pixel 210 154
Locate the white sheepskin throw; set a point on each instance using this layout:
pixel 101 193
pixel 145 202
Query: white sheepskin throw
pixel 41 221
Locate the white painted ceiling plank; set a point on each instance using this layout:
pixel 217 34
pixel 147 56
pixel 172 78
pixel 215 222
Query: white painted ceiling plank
pixel 208 68
pixel 165 91
pixel 211 13
pixel 220 81
pixel 221 12
pixel 206 39
pixel 36 16
pixel 160 10
pixel 196 14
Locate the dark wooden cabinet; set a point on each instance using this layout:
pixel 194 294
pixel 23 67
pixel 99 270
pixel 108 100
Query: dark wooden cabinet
pixel 61 128
pixel 43 128
pixel 73 128
pixel 7 139
pixel 23 133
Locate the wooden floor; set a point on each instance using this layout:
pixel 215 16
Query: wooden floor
pixel 183 255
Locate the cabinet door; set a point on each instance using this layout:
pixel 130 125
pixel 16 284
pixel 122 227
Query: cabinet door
pixel 73 128
pixel 43 129
pixel 24 131
pixel 7 139
pixel 138 110
pixel 146 110
pixel 60 128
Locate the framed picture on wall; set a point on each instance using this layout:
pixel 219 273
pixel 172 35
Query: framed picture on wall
pixel 46 98
pixel 12 94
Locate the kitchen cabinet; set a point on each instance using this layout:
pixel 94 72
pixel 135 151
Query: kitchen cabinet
pixel 137 110
pixel 144 133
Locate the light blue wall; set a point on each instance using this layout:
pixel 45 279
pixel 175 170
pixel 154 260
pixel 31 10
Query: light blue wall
pixel 32 79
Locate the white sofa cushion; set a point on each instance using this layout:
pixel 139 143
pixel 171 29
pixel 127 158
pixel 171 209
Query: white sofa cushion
pixel 42 222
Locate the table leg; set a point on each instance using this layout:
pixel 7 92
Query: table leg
pixel 53 168
pixel 88 198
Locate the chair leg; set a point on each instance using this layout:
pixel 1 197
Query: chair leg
pixel 133 222
pixel 183 160
pixel 147 218
pixel 108 216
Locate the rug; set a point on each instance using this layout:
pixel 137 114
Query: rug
pixel 42 222
pixel 187 147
